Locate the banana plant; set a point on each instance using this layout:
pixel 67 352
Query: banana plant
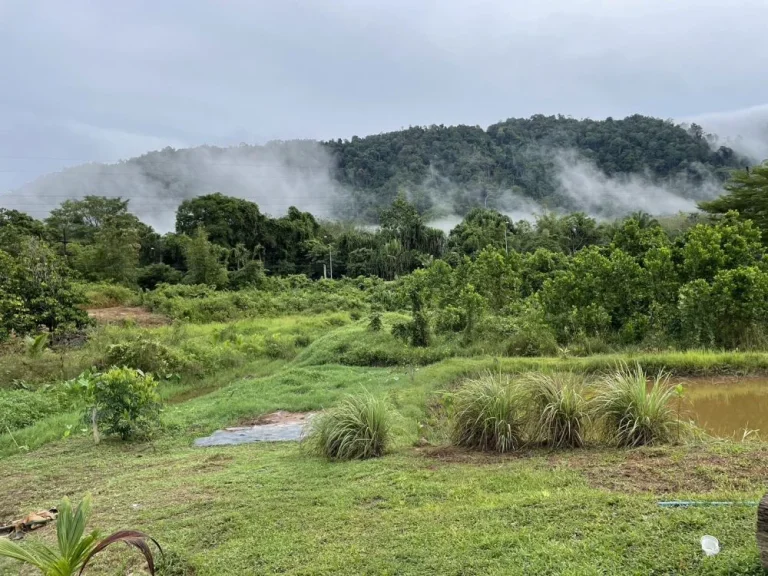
pixel 74 549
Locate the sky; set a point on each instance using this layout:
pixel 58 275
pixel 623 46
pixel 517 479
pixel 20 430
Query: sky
pixel 90 80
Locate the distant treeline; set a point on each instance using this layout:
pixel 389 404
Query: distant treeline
pixel 699 279
pixel 443 168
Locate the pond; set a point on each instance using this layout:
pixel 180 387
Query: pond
pixel 727 406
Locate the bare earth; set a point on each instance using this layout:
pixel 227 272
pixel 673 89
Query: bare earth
pixel 119 314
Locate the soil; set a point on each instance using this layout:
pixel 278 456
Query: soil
pixel 279 417
pixel 119 314
pixel 662 470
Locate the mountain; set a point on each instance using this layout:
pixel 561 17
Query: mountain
pixel 518 166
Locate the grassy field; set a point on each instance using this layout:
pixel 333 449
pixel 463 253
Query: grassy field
pixel 425 508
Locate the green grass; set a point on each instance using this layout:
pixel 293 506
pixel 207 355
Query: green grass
pixel 277 509
pixel 270 509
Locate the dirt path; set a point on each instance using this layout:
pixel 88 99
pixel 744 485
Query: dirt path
pixel 119 314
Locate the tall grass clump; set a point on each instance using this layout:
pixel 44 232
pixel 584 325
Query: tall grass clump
pixel 488 414
pixel 633 412
pixel 359 427
pixel 559 408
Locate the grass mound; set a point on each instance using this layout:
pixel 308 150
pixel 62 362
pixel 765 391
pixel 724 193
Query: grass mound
pixel 634 413
pixel 488 414
pixel 359 427
pixel 560 410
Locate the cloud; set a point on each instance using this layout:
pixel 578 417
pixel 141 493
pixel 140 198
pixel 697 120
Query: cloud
pixel 206 70
pixel 276 176
pixel 745 130
pixel 599 195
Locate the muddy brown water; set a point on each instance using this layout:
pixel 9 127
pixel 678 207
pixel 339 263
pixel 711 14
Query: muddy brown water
pixel 727 406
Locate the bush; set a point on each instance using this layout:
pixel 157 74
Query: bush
pixel 249 276
pixel 35 290
pixel 126 403
pixel 108 295
pixel 402 331
pixel 375 324
pixel 450 319
pixel 150 276
pixel 302 340
pixel 535 340
pixel 632 414
pixel 559 408
pixel 145 355
pixel 275 347
pixel 358 428
pixel 488 414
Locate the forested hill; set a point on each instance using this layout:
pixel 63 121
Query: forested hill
pixel 453 167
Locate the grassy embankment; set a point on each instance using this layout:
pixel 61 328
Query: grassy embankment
pixel 263 509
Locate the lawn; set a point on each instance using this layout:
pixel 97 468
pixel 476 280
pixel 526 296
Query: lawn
pixel 424 508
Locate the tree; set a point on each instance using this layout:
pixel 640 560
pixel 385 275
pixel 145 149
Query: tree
pixel 36 290
pixel 747 195
pixel 116 254
pixel 228 221
pixel 479 229
pixel 80 220
pixel 204 261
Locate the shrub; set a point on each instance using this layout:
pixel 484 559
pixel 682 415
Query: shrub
pixel 534 340
pixel 375 324
pixel 108 295
pixel 450 319
pixel 302 340
pixel 632 414
pixel 145 355
pixel 355 315
pixel 401 330
pixel 559 408
pixel 150 276
pixel 275 347
pixel 249 276
pixel 359 427
pixel 126 403
pixel 488 414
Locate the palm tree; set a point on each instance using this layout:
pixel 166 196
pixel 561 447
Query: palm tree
pixel 74 550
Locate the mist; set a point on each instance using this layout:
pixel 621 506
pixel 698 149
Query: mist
pixel 592 191
pixel 745 130
pixel 275 176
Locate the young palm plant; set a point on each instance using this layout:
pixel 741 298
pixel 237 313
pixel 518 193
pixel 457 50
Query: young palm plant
pixel 488 414
pixel 560 411
pixel 74 548
pixel 634 413
pixel 359 427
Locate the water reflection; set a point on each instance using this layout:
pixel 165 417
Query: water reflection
pixel 727 406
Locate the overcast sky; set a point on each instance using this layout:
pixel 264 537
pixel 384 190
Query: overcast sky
pixel 102 80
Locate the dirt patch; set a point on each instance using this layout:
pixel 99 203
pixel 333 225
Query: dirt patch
pixel 120 314
pixel 668 470
pixel 279 417
pixel 662 470
pixel 455 455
